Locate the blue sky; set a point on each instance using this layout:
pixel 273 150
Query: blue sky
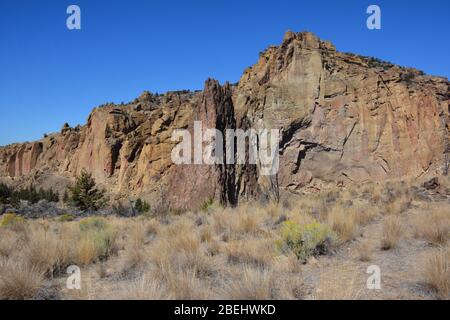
pixel 50 75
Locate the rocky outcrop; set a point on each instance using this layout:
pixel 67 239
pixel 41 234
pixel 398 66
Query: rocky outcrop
pixel 343 118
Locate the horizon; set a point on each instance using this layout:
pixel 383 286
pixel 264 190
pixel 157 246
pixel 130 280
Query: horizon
pixel 52 75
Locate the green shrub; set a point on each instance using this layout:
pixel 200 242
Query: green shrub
pixel 141 206
pixel 207 204
pixel 102 235
pixel 66 217
pixel 49 195
pixel 66 198
pixel 378 63
pixel 93 224
pixel 85 195
pixel 5 193
pixel 11 219
pixel 10 196
pixel 408 77
pixel 306 240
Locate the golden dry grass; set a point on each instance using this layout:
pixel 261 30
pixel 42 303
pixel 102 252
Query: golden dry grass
pixel 8 242
pixel 398 205
pixel 392 232
pixel 253 284
pixel 436 272
pixel 333 286
pixel 19 280
pixel 142 288
pixel 221 253
pixel 256 252
pixel 433 224
pixel 365 251
pixel 343 222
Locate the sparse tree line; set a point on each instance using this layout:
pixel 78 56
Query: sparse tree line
pixel 84 195
pixel 9 195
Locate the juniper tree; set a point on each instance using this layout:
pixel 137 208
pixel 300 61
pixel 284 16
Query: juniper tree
pixel 5 193
pixel 141 206
pixel 66 198
pixel 85 195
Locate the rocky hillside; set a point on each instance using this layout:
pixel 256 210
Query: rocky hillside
pixel 343 119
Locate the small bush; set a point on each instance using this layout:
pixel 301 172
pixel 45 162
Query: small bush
pixel 436 272
pixel 10 196
pixel 9 241
pixel 5 193
pixel 433 226
pixel 250 252
pixel 93 224
pixel 378 63
pixel 141 206
pixel 19 281
pixel 98 240
pixel 253 284
pixel 66 217
pixel 207 204
pixel 11 220
pixel 408 77
pixel 41 251
pixel 306 240
pixel 364 251
pixel 392 232
pixel 66 198
pixel 343 222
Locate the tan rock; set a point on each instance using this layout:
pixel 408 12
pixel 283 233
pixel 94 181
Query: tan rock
pixel 342 118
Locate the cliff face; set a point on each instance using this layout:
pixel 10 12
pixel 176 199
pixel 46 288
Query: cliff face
pixel 343 118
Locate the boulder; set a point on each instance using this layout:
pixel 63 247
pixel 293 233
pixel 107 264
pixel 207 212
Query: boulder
pixel 431 184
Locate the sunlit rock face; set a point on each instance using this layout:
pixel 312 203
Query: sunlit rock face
pixel 342 119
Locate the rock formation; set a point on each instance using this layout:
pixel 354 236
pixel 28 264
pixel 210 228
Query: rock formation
pixel 343 119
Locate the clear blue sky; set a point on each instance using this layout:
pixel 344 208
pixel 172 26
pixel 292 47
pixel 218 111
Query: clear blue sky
pixel 50 75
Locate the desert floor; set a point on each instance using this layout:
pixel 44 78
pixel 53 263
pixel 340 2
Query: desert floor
pixel 309 246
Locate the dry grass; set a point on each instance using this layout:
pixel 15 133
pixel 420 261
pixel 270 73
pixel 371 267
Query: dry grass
pixel 97 241
pixel 246 221
pixel 436 272
pixel 224 252
pixel 392 232
pixel 184 251
pixel 143 288
pixel 433 224
pixel 366 214
pixel 19 281
pixel 253 284
pixel 343 222
pixel 332 286
pixel 9 240
pixel 290 288
pixel 365 251
pixel 256 252
pixel 207 234
pixel 87 251
pixel 287 264
pixel 184 285
pixel 398 205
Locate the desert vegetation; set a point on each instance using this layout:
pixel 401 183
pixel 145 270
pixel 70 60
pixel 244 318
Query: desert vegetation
pixel 12 196
pixel 309 246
